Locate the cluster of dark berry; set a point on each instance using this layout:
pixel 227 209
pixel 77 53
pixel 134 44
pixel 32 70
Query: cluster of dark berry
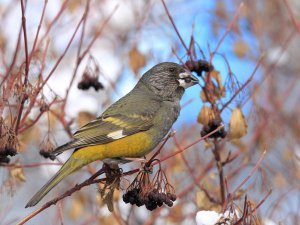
pixel 47 154
pixel 199 66
pixel 88 82
pixel 211 126
pixel 151 199
pixel 5 152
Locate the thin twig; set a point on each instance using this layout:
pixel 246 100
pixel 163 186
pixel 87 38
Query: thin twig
pixel 38 30
pixel 174 26
pixel 230 26
pixel 171 134
pixel 254 210
pixel 216 152
pixel 291 14
pixel 77 187
pixel 53 21
pixel 243 86
pixel 23 97
pixel 250 174
pixel 190 145
pixel 78 61
pixel 190 187
pixel 15 56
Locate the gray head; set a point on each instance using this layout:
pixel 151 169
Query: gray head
pixel 168 80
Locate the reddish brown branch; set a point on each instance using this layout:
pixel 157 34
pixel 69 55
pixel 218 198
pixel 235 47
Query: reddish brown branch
pixel 257 165
pixel 15 56
pixel 291 14
pixel 216 151
pixel 24 95
pixel 38 30
pixel 229 28
pixel 192 144
pixel 240 221
pixel 53 21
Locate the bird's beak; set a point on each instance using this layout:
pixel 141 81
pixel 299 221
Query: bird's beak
pixel 186 79
pixel 194 79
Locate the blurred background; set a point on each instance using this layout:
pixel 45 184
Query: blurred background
pixel 254 48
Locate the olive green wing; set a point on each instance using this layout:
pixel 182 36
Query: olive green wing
pixel 108 128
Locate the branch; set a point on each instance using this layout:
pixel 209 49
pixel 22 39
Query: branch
pixel 230 26
pixel 38 30
pixel 250 174
pixel 190 145
pixel 24 95
pixel 77 187
pixel 174 26
pixel 296 25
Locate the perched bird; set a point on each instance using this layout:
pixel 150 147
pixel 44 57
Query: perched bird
pixel 131 127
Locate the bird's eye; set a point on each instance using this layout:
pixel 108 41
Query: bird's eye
pixel 187 80
pixel 172 69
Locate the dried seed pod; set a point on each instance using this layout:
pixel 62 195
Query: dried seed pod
pixel 238 124
pixel 206 114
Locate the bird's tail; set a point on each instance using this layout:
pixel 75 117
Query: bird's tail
pixel 69 167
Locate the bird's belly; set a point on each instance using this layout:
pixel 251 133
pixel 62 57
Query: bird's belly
pixel 136 145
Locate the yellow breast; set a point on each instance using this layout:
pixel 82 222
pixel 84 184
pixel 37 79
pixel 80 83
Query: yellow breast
pixel 136 145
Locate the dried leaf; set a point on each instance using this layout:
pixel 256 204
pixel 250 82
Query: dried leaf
pixel 240 144
pixel 203 96
pixel 107 192
pixel 204 203
pixel 74 5
pixel 206 114
pixel 178 165
pixel 108 220
pixel 52 118
pixel 288 154
pixel 297 173
pixel 177 212
pixel 76 210
pixel 107 197
pixel 238 125
pixel 220 10
pixel 18 174
pixel 208 144
pixel 3 42
pixel 217 76
pixel 240 48
pixel 29 135
pixel 213 98
pixel 84 117
pixel 216 85
pixel 280 181
pixel 136 59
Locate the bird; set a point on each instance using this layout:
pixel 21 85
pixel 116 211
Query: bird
pixel 131 127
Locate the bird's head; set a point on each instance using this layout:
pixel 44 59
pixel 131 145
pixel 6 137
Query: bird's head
pixel 168 80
